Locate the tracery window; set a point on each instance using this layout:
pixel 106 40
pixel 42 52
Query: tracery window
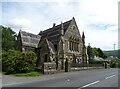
pixel 73 46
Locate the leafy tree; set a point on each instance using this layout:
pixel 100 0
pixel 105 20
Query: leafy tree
pixel 100 53
pixel 8 38
pixel 0 40
pixel 94 52
pixel 0 61
pixel 90 53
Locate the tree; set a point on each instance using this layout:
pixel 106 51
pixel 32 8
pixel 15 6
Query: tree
pixel 100 53
pixel 0 40
pixel 8 38
pixel 90 53
pixel 94 52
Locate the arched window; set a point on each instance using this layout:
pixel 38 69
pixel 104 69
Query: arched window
pixel 73 27
pixel 73 44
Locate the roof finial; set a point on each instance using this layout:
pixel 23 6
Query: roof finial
pixel 73 17
pixel 20 28
pixel 62 28
pixel 83 36
pixel 61 24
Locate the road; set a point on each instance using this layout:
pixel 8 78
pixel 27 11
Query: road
pixel 78 79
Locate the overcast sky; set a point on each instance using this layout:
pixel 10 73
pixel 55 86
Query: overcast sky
pixel 97 18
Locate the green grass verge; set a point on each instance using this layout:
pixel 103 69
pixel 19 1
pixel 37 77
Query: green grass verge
pixel 29 74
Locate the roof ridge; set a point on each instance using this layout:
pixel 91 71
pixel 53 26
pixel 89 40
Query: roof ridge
pixel 28 33
pixel 57 25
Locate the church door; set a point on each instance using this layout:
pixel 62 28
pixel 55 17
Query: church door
pixel 46 56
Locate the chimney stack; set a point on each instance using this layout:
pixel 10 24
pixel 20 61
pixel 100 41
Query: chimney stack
pixel 53 25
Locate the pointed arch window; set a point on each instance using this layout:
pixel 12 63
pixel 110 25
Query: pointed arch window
pixel 73 45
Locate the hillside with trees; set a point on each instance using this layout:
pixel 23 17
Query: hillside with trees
pixel 112 53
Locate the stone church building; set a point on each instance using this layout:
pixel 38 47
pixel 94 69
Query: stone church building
pixel 56 44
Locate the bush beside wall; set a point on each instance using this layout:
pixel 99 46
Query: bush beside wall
pixel 18 62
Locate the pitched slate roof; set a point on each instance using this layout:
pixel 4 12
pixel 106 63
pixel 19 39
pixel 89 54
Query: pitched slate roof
pixel 53 34
pixel 29 39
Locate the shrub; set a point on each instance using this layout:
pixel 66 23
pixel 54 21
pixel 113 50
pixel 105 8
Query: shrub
pixel 96 62
pixel 8 61
pixel 119 65
pixel 18 62
pixel 113 64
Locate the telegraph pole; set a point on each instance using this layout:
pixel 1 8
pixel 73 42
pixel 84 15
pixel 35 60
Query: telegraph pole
pixel 89 52
pixel 114 50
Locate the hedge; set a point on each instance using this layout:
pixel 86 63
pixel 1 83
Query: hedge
pixel 18 62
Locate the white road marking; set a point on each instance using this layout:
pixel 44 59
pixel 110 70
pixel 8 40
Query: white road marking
pixel 110 77
pixel 96 82
pixel 90 84
pixel 68 80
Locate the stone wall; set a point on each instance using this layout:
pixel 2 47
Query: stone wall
pixel 86 65
pixel 78 67
pixel 49 68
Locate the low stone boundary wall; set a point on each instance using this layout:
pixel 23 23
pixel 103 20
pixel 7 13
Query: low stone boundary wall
pixel 49 68
pixel 77 67
pixel 86 65
pixel 85 68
